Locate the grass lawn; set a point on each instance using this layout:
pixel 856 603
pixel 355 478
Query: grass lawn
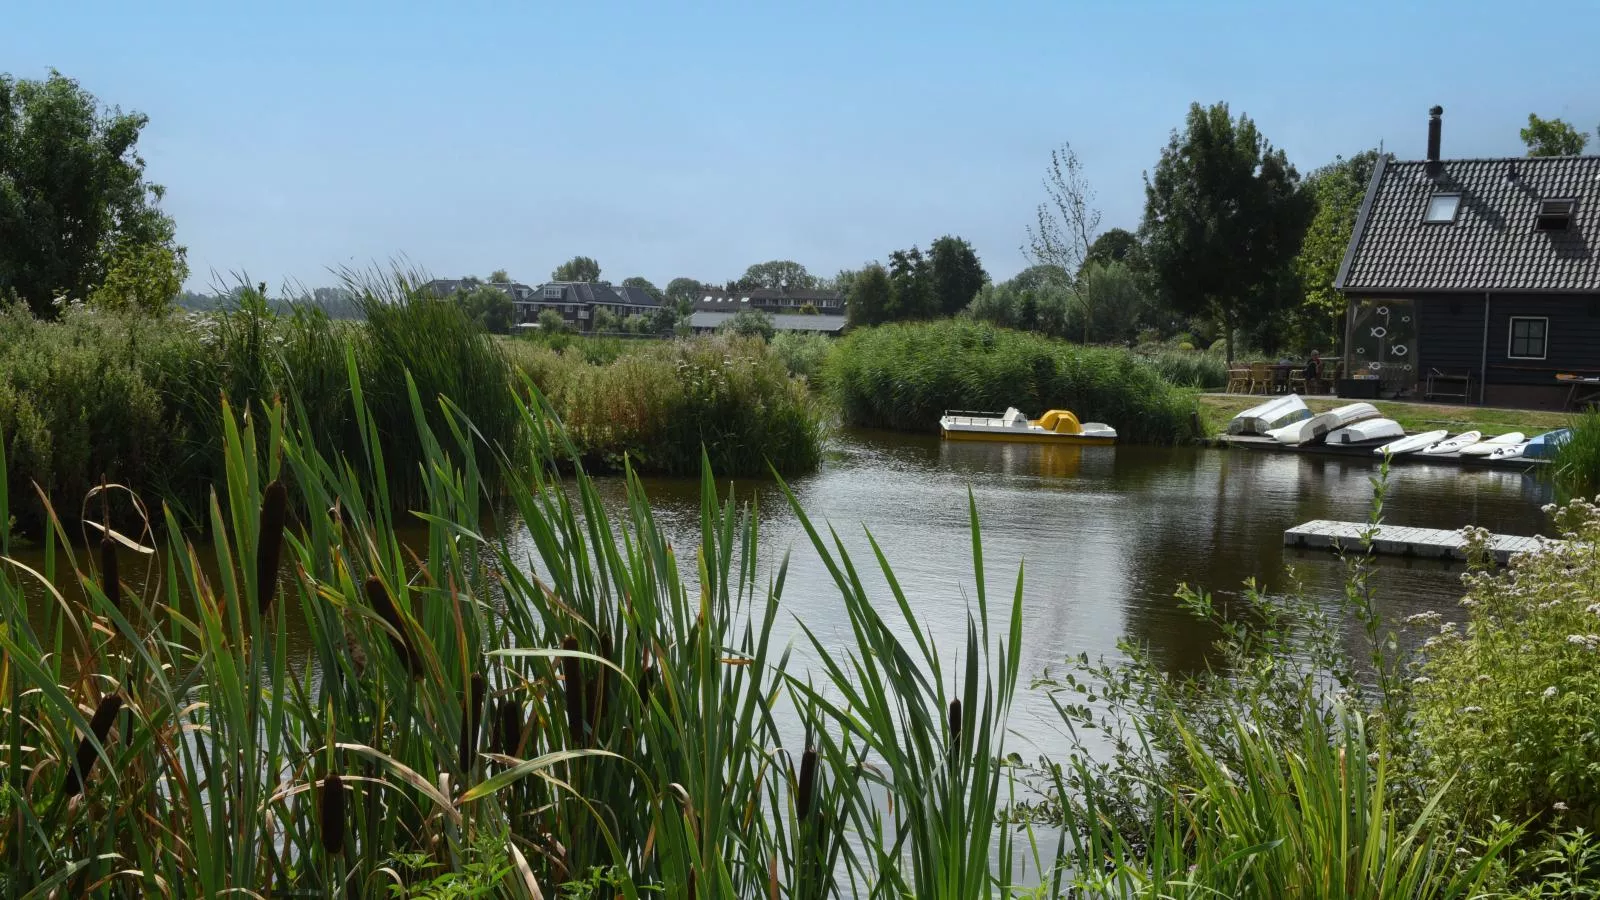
pixel 1217 409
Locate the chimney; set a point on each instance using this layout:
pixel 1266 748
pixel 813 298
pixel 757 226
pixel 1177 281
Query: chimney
pixel 1433 138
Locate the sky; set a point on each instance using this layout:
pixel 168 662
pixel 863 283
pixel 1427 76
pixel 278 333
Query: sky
pixel 694 139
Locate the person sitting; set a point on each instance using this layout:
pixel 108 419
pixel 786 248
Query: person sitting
pixel 1313 371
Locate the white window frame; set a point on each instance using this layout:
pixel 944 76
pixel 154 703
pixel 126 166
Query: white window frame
pixel 1455 211
pixel 1511 336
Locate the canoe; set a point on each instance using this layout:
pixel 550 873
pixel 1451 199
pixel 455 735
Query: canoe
pixel 1057 426
pixel 1313 429
pixel 1366 431
pixel 1275 413
pixel 1546 445
pixel 1454 445
pixel 1412 444
pixel 1511 451
pixel 1490 445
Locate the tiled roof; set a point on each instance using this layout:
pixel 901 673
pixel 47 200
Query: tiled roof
pixel 1492 245
pixel 780 321
pixel 591 292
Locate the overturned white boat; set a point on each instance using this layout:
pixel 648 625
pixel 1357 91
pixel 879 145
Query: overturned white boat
pixel 1412 444
pixel 1366 431
pixel 1275 413
pixel 1453 445
pixel 1488 446
pixel 1298 434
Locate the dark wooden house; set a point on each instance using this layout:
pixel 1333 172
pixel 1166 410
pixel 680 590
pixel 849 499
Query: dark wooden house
pixel 1476 279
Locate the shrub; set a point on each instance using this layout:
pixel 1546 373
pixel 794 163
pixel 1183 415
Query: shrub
pixel 803 353
pixel 1188 368
pixel 905 376
pixel 1577 466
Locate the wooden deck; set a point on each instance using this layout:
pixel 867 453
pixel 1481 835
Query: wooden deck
pixel 1324 534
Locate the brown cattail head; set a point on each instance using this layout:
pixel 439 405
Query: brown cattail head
pixel 110 584
pixel 808 783
pixel 269 542
pixel 508 727
pixel 955 723
pixel 333 814
pixel 383 605
pixel 572 673
pixel 105 715
pixel 471 715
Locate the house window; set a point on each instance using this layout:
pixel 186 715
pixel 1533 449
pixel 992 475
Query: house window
pixel 1555 215
pixel 1528 335
pixel 1442 209
pixel 553 293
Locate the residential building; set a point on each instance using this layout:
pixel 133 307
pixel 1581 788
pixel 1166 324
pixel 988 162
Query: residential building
pixel 779 300
pixel 1476 279
pixel 575 301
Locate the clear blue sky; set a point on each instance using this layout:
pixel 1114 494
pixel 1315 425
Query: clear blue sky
pixel 671 139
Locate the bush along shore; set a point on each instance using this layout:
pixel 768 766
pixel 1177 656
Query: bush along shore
pixel 107 397
pixel 905 376
pixel 560 713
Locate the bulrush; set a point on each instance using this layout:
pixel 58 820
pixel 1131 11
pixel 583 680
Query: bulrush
pixel 808 783
pixel 471 715
pixel 572 673
pixel 508 727
pixel 110 584
pixel 383 605
pixel 955 724
pixel 104 715
pixel 333 814
pixel 269 542
pixel 597 702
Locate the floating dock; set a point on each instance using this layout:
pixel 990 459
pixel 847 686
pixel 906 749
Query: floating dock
pixel 1324 534
pixel 1364 451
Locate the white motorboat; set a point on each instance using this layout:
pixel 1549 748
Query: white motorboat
pixel 1313 429
pixel 1366 431
pixel 1498 442
pixel 1412 444
pixel 1511 451
pixel 1455 444
pixel 1275 413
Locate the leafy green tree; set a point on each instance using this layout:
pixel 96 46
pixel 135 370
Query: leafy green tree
pixel 1552 137
pixel 1107 300
pixel 499 276
pixel 869 296
pixel 1034 276
pixel 1224 219
pixel 775 274
pixel 1116 245
pixel 840 282
pixel 910 286
pixel 996 304
pixel 645 285
pixel 751 323
pixel 956 272
pixel 146 277
pixel 490 306
pixel 1337 189
pixel 681 289
pixel 74 204
pixel 551 322
pixel 604 320
pixel 578 268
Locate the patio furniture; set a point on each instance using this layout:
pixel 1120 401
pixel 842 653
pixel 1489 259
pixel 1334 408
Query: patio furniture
pixel 1260 378
pixel 1441 385
pixel 1238 379
pixel 1297 381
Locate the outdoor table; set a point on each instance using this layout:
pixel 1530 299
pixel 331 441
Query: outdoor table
pixel 1584 391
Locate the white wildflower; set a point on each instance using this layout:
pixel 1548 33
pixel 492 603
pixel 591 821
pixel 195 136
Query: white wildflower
pixel 1471 710
pixel 1423 618
pixel 1559 806
pixel 1422 679
pixel 1550 692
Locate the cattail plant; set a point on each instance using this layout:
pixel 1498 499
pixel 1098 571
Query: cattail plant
pixel 269 542
pixel 471 714
pixel 100 724
pixel 808 783
pixel 110 584
pixel 333 814
pixel 383 604
pixel 955 724
pixel 597 702
pixel 572 673
pixel 507 737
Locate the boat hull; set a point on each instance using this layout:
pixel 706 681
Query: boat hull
pixel 1365 432
pixel 1265 417
pixel 1309 431
pixel 1412 444
pixel 1453 445
pixel 1026 437
pixel 1488 446
pixel 1547 445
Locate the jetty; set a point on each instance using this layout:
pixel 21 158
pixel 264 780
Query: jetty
pixel 1401 540
pixel 1364 452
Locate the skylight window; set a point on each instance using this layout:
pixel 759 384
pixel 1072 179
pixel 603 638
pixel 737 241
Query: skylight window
pixel 1555 215
pixel 1442 209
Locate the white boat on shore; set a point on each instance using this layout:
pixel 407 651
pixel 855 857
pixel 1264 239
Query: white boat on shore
pixel 1488 446
pixel 1455 444
pixel 1412 444
pixel 1057 426
pixel 1366 431
pixel 1275 413
pixel 1511 451
pixel 1309 431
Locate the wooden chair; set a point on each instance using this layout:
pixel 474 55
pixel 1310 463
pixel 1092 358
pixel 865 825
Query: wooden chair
pixel 1238 379
pixel 1260 378
pixel 1297 381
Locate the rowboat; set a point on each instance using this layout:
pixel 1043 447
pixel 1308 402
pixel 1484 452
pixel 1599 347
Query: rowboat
pixel 1275 413
pixel 1455 444
pixel 1314 428
pixel 1546 445
pixel 1490 445
pixel 1058 426
pixel 1366 431
pixel 1412 444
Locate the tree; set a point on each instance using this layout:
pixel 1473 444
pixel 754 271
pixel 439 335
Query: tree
pixel 1552 137
pixel 644 284
pixel 490 306
pixel 1108 300
pixel 578 268
pixel 1034 276
pixel 775 274
pixel 499 276
pixel 957 274
pixel 74 205
pixel 1116 245
pixel 1224 218
pixel 145 277
pixel 605 321
pixel 1067 220
pixel 910 286
pixel 1337 190
pixel 869 296
pixel 551 322
pixel 680 289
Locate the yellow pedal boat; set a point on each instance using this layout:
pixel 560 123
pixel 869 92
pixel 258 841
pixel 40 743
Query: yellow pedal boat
pixel 1057 426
